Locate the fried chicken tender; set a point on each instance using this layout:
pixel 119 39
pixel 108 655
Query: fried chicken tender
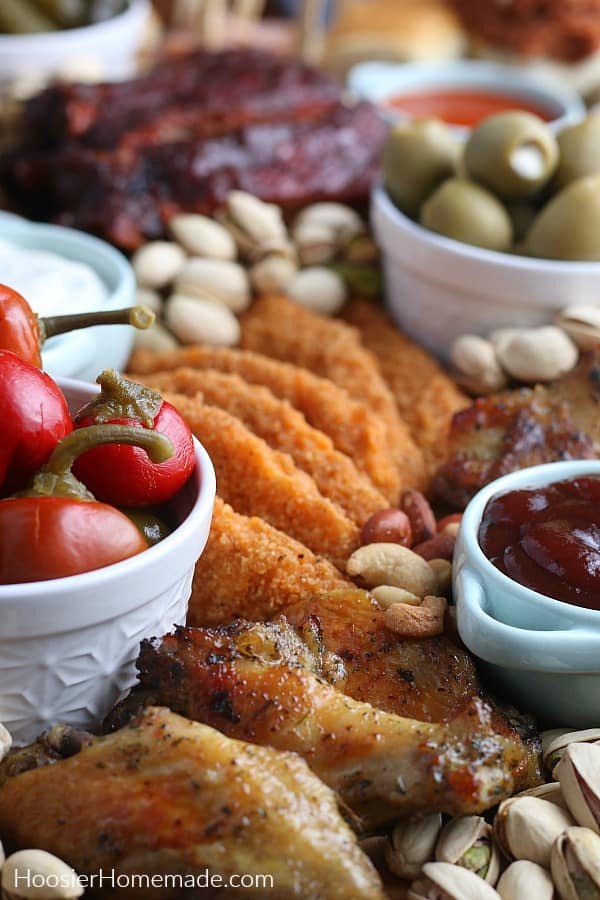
pixel 352 427
pixel 425 396
pixel 259 481
pixel 251 570
pixel 283 428
pixel 332 349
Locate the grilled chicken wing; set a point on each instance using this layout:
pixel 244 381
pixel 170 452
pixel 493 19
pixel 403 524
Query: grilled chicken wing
pixel 261 683
pixel 168 796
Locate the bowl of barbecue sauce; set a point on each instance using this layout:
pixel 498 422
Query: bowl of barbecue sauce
pixel 527 588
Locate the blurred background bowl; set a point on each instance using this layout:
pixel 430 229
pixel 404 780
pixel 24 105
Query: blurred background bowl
pixel 68 646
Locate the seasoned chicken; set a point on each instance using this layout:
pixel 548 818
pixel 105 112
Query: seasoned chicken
pixel 283 428
pixel 261 683
pixel 281 328
pixel 251 570
pixel 351 426
pixel 168 796
pixel 519 428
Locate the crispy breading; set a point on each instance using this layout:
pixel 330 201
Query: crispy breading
pixel 283 428
pixel 251 570
pixel 332 349
pixel 425 395
pixel 259 481
pixel 352 427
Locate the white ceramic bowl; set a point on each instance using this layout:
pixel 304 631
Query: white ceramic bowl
pixel 544 653
pixel 112 44
pixel 437 288
pixel 379 81
pixel 68 646
pixel 81 354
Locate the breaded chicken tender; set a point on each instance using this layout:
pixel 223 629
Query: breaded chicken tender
pixel 283 428
pixel 332 349
pixel 352 427
pixel 259 481
pixel 251 570
pixel 426 397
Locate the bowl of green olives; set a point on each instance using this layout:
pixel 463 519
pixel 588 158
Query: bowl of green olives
pixel 500 230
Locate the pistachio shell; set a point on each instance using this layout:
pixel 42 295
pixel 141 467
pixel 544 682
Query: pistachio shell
pixel 197 321
pixel 274 274
pixel 467 841
pixel 342 222
pixel 537 354
pixel 579 776
pixel 553 750
pixel 217 280
pixel 149 298
pixel 315 243
pixel 582 324
pixel 550 735
pixel 201 236
pixel 551 791
pixel 256 220
pixel 456 882
pixel 40 875
pixel 157 263
pixel 475 365
pixel 525 827
pixel 157 339
pixel 411 844
pixel 575 864
pixel 318 289
pixel 525 879
pixel 5 741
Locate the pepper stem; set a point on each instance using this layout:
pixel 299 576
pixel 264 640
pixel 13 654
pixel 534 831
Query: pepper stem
pixel 139 316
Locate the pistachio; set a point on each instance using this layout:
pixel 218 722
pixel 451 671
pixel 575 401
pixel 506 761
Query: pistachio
pixel 217 280
pixel 443 881
pixel 579 776
pixel 318 289
pixel 157 263
pixel 550 735
pixel 315 243
pixel 361 249
pixel 525 827
pixel 252 222
pixel 537 354
pixel 5 741
pixel 411 844
pixel 157 339
pixel 550 791
pixel 201 236
pixel 388 594
pixel 525 879
pixel 149 298
pixel 274 273
pixel 35 873
pixel 342 222
pixel 467 841
pixel 385 563
pixel 196 321
pixel 575 864
pixel 475 365
pixel 582 324
pixel 554 748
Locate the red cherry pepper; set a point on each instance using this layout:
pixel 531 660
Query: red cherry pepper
pixel 34 416
pixel 123 475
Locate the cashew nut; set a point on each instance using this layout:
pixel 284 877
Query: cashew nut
pixel 426 620
pixel 387 594
pixel 442 569
pixel 24 869
pixel 475 365
pixel 392 564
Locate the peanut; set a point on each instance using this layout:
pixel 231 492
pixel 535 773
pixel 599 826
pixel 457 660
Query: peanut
pixel 420 514
pixel 387 525
pixel 388 594
pixel 391 564
pixel 446 521
pixel 426 620
pixel 442 569
pixel 439 547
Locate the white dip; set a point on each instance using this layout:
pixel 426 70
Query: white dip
pixel 51 284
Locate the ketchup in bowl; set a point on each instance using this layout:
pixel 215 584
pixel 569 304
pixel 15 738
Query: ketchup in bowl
pixel 548 539
pixel 461 106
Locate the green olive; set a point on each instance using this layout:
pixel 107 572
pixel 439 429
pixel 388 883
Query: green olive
pixel 522 214
pixel 417 157
pixel 465 211
pixel 579 148
pixel 513 153
pixel 568 227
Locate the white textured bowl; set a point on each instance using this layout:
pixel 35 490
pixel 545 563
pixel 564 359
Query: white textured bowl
pixel 437 288
pixel 68 646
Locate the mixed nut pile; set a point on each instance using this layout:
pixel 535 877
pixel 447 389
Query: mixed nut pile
pixel 201 280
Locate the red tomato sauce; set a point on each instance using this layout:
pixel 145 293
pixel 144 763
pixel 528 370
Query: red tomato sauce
pixel 548 539
pixel 460 106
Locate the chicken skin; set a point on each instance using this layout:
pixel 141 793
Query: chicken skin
pixel 165 795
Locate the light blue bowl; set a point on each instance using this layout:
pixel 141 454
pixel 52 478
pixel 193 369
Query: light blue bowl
pixel 81 354
pixel 544 653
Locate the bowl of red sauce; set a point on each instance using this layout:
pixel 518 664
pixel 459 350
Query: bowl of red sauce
pixel 527 588
pixel 462 93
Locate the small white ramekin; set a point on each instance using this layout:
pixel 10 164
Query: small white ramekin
pixel 437 288
pixel 544 653
pixel 68 646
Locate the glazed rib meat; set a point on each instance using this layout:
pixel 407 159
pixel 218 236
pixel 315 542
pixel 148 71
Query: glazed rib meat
pixel 328 347
pixel 168 796
pixel 260 683
pixel 251 570
pixel 283 428
pixel 259 481
pixel 353 429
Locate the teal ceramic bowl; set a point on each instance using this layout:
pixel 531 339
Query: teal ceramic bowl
pixel 81 354
pixel 544 654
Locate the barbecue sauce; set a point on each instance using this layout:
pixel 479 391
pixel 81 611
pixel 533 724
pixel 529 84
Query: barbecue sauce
pixel 548 539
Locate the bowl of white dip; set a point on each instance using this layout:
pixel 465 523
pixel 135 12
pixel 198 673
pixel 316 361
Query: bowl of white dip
pixel 58 271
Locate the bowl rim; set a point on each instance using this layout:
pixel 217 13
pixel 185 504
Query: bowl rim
pixel 527 264
pixel 96 30
pixel 531 476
